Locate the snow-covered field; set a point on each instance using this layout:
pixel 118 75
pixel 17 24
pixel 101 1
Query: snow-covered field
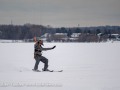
pixel 86 66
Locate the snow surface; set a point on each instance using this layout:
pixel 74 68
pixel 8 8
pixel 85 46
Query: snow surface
pixel 87 66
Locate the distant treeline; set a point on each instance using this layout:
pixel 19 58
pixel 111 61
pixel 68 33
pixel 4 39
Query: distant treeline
pixel 28 31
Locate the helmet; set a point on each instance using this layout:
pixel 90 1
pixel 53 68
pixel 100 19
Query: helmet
pixel 40 42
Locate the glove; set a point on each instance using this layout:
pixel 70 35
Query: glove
pixel 53 47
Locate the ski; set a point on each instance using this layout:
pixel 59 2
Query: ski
pixel 36 70
pixel 48 71
pixel 58 71
pixel 53 71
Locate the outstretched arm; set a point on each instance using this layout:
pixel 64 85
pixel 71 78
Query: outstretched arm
pixel 44 49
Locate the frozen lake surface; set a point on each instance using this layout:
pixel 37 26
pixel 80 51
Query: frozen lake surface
pixel 86 66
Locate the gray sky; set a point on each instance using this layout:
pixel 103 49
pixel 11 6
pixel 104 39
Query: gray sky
pixel 59 13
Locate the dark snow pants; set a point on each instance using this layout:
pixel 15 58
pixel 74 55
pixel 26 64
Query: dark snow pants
pixel 42 59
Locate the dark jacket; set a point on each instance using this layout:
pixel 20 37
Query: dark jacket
pixel 38 49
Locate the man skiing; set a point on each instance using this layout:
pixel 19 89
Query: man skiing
pixel 38 55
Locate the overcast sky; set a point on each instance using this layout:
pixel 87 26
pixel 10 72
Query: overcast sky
pixel 59 13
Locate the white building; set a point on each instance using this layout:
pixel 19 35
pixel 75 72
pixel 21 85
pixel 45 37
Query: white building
pixel 75 35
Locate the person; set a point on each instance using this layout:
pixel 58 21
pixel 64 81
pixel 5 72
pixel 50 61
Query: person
pixel 38 55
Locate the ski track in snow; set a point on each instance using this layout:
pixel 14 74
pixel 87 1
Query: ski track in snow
pixel 86 66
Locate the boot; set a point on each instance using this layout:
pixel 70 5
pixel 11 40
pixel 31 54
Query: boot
pixel 36 70
pixel 47 70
